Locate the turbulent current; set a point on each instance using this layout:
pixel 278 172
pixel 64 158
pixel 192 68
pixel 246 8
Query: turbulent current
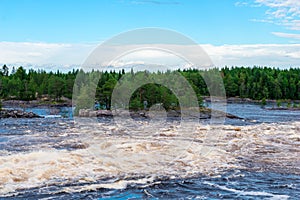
pixel 57 158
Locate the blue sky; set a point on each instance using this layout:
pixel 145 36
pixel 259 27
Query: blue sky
pixel 210 22
pixel 68 21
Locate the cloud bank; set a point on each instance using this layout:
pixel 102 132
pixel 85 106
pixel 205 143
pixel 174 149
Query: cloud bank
pixel 52 55
pixel 273 55
pixel 285 13
pixel 66 56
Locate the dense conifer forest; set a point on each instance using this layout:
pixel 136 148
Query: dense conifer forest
pixel 256 83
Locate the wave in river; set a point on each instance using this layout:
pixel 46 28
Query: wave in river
pixel 112 157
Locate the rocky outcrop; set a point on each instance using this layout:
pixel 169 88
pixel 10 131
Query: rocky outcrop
pixel 94 113
pixel 205 113
pixel 107 113
pixel 37 103
pixel 4 113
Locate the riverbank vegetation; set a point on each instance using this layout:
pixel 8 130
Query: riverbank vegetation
pixel 256 83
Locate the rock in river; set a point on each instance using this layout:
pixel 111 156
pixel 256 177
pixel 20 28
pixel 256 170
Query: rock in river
pixel 8 113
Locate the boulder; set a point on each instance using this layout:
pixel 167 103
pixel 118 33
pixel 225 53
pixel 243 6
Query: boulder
pixel 4 113
pixel 104 113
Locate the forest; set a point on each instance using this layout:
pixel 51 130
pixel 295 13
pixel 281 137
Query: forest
pixel 256 83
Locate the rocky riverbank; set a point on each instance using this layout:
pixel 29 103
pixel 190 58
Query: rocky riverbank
pixel 9 113
pixel 37 103
pixel 248 100
pixel 205 113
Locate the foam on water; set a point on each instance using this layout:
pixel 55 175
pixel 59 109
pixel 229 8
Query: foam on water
pixel 249 193
pixel 112 157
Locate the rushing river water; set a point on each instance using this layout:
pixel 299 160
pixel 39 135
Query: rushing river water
pixel 57 158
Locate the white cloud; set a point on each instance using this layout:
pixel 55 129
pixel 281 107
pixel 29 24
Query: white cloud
pixel 167 55
pixel 40 54
pixel 65 56
pixel 273 55
pixel 287 35
pixel 155 2
pixel 241 3
pixel 282 12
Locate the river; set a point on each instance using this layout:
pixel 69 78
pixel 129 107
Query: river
pixel 59 158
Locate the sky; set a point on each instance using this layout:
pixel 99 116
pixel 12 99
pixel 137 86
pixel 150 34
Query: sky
pixel 62 33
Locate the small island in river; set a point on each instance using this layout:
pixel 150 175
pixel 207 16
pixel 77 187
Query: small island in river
pixel 14 113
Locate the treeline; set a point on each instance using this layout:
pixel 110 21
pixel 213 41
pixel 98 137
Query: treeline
pixel 32 84
pixel 255 83
pixel 258 83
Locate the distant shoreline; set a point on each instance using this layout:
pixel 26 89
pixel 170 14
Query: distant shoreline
pixel 35 103
pixel 248 100
pixel 21 104
pixel 68 102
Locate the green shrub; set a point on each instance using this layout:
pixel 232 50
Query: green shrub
pixel 294 105
pixel 135 105
pixel 289 104
pixel 278 102
pixel 263 102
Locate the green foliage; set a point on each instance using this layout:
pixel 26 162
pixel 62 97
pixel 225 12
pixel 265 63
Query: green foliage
pixel 255 83
pixel 30 85
pixel 0 104
pixel 263 102
pixel 258 83
pixel 295 105
pixel 135 104
pixel 84 101
pixel 56 87
pixel 153 94
pixel 289 104
pixel 279 103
